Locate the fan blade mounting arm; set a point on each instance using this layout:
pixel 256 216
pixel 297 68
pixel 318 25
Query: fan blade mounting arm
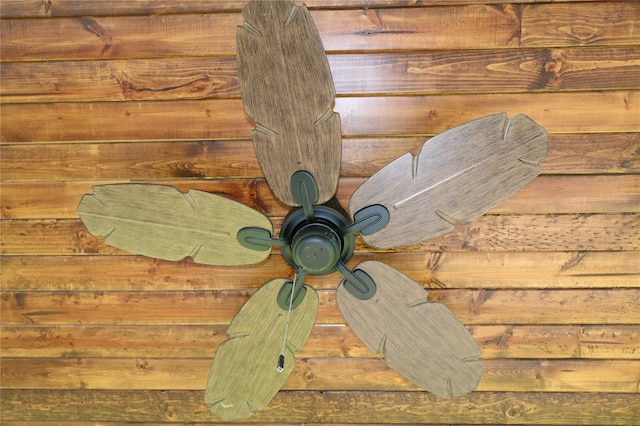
pixel 251 366
pixel 287 90
pixel 162 222
pixel 421 340
pixel 459 175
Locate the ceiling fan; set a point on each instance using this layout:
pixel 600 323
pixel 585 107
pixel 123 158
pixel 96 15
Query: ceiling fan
pixel 287 90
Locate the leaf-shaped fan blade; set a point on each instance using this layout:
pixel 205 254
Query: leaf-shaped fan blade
pixel 423 341
pixel 160 221
pixel 244 375
pixel 459 175
pixel 287 89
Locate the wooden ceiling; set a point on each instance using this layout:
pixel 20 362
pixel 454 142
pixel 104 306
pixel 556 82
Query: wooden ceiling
pixel 113 91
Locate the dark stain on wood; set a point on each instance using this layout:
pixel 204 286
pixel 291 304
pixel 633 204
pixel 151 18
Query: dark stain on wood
pixel 94 27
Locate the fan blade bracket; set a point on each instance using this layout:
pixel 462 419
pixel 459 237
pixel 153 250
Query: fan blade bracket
pixel 258 239
pixel 286 300
pixel 367 220
pixel 305 192
pixel 357 282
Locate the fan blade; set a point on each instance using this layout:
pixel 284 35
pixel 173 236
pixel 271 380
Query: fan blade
pixel 459 175
pixel 287 89
pixel 423 341
pixel 160 221
pixel 245 373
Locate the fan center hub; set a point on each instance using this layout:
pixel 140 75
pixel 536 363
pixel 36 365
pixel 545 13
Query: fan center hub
pixel 316 246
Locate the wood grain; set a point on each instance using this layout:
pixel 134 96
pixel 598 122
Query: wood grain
pixel 337 407
pixel 114 92
pixel 465 269
pixel 160 221
pixel 287 90
pixel 610 23
pixel 562 112
pixel 493 71
pixel 584 194
pixel 610 153
pixel 423 342
pixel 570 306
pixel 119 80
pixel 457 176
pixel 411 72
pixel 316 374
pixel 335 341
pixel 243 377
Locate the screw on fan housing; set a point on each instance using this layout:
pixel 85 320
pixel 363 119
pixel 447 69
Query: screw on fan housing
pixel 320 239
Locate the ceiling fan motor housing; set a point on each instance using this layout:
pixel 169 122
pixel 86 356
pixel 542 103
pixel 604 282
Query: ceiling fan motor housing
pixel 317 246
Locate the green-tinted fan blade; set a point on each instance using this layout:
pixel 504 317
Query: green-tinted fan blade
pixel 244 375
pixel 162 222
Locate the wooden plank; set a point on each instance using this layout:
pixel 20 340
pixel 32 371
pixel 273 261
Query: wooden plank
pixel 562 112
pixel 573 112
pixel 482 71
pixel 568 154
pixel 569 194
pixel 607 194
pixel 607 23
pixel 469 269
pixel 136 120
pixel 204 34
pixel 331 407
pixel 119 80
pixel 616 232
pixel 346 374
pixel 119 37
pixel 238 423
pixel 375 74
pixel 588 306
pixel 335 341
pixel 35 8
pixel 539 233
pixel 611 153
pixel 143 160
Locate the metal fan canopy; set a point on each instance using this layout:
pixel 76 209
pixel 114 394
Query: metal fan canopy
pixel 287 90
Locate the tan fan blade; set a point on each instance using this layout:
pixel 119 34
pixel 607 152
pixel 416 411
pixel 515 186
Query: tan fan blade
pixel 423 341
pixel 160 221
pixel 459 175
pixel 287 89
pixel 244 375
